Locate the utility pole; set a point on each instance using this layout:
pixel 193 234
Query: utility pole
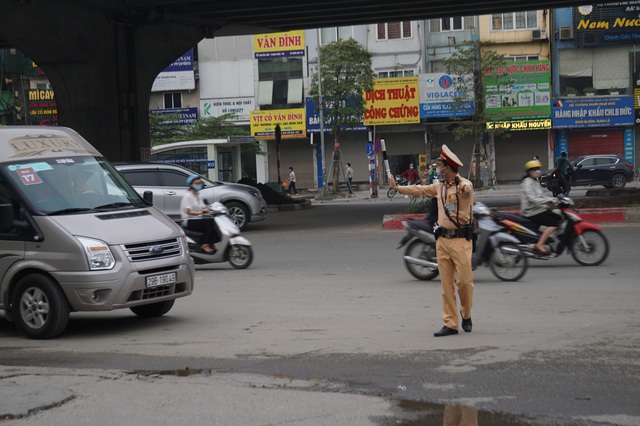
pixel 321 104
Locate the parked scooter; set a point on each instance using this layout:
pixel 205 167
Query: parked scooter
pixel 232 248
pixel 400 181
pixel 585 241
pixel 494 248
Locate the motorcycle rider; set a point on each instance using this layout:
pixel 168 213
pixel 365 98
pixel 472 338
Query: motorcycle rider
pixel 192 207
pixel 534 205
pixel 454 245
pixel 412 176
pixel 563 165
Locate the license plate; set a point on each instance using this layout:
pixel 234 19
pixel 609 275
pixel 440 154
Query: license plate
pixel 163 279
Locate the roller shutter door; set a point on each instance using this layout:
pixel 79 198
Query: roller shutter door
pixel 596 142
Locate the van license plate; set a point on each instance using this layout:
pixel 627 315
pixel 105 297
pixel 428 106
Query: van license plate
pixel 163 279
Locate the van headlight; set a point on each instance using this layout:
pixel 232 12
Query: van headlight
pixel 184 241
pixel 98 253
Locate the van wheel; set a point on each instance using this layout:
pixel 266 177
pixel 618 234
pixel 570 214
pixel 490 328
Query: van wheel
pixel 238 214
pixel 40 308
pixel 154 309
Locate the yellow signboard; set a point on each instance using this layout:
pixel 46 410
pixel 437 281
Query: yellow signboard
pixel 276 45
pixel 291 121
pixel 393 101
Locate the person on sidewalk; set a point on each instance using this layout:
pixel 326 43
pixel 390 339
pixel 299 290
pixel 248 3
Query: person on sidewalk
pixel 350 178
pixel 454 245
pixel 292 181
pixel 534 205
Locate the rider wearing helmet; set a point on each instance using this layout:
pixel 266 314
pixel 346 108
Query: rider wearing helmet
pixel 534 205
pixel 192 209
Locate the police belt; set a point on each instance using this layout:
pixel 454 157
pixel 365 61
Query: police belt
pixel 450 233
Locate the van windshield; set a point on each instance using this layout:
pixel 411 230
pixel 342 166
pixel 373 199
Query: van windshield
pixel 72 185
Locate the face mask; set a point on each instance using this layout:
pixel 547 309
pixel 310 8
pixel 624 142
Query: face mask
pixel 536 173
pixel 198 187
pixel 411 167
pixel 439 171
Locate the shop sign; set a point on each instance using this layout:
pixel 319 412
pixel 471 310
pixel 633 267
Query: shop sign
pixel 519 90
pixel 392 101
pixel 177 76
pixel 42 107
pixel 614 23
pixel 179 116
pixel 276 45
pixel 291 121
pixel 514 125
pixel 241 107
pixel 592 112
pixel 443 96
pixel 313 118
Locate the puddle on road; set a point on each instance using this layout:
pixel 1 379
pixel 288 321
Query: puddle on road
pixel 428 414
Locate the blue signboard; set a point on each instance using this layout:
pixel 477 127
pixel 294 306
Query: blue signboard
pixel 182 115
pixel 313 119
pixel 602 111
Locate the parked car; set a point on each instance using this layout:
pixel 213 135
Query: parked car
pixel 168 182
pixel 611 171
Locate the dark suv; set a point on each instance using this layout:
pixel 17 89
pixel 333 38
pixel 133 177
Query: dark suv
pixel 611 171
pixel 168 182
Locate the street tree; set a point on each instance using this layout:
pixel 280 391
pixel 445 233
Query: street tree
pixel 475 63
pixel 345 73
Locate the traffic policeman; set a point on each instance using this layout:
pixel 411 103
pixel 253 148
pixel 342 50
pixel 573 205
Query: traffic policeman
pixel 454 245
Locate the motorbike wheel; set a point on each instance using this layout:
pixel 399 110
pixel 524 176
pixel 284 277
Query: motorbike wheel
pixel 424 251
pixel 240 257
pixel 508 262
pixel 391 192
pixel 590 249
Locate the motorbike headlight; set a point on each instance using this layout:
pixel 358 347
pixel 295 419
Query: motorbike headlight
pixel 98 254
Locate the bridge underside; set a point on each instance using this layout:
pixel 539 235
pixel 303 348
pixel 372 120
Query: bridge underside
pixel 102 56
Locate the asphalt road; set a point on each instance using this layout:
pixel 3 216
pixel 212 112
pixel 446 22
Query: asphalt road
pixel 328 314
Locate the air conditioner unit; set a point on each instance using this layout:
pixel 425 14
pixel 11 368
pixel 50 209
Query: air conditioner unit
pixel 538 34
pixel 565 33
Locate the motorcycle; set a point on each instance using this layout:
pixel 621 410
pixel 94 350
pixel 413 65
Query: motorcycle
pixel 494 248
pixel 558 184
pixel 232 248
pixel 400 181
pixel 585 241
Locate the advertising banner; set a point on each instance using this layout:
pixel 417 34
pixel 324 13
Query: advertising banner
pixel 241 107
pixel 608 24
pixel 182 115
pixel 177 76
pixel 592 112
pixel 313 118
pixel 275 45
pixel 291 121
pixel 521 90
pixel 42 107
pixel 439 95
pixel 392 101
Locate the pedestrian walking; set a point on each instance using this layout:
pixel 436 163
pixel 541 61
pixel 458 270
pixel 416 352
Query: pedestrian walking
pixel 454 233
pixel 349 178
pixel 292 181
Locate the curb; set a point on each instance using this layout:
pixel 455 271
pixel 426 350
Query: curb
pixel 603 215
pixel 306 204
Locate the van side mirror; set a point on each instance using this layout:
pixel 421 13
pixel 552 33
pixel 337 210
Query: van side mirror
pixel 148 197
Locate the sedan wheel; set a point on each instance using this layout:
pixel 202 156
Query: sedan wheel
pixel 238 214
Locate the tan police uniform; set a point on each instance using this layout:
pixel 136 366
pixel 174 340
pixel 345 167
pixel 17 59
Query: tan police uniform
pixel 453 251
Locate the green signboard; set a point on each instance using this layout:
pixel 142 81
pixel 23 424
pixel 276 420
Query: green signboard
pixel 518 90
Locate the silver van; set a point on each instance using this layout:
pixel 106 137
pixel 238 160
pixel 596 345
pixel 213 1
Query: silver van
pixel 75 236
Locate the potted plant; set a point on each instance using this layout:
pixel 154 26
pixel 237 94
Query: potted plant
pixel 570 91
pixel 614 91
pixel 590 91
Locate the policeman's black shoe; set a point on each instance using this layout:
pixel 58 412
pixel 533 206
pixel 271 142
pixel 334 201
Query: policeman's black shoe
pixel 466 324
pixel 445 331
